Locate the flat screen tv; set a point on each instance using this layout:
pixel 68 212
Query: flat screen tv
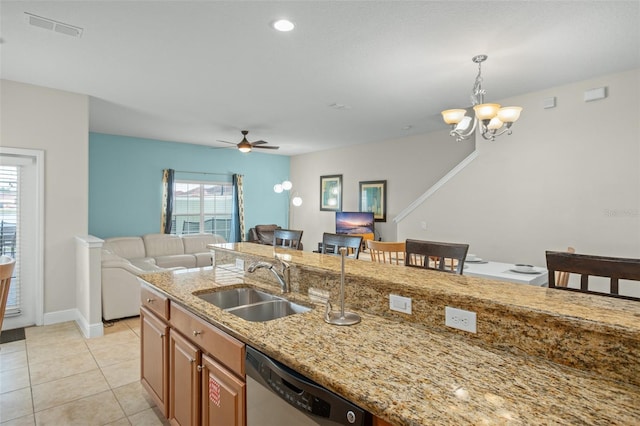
pixel 354 222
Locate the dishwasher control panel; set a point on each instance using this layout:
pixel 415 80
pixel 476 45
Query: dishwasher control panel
pixel 301 392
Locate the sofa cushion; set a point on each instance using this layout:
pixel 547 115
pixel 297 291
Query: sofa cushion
pixel 127 247
pixel 158 245
pixel 175 260
pixel 197 243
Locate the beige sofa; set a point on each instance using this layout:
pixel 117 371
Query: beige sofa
pixel 125 258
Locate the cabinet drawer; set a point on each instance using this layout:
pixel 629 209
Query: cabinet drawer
pixel 216 343
pixel 154 301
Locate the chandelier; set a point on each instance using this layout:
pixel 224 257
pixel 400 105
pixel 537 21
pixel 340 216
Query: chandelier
pixel 490 119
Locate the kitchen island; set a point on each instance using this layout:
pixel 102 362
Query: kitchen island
pixel 411 369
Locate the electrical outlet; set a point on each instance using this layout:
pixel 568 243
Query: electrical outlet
pixel 460 319
pixel 400 303
pixel 240 264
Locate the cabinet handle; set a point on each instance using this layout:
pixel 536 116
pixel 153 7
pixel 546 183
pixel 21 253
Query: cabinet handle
pixel 150 300
pixel 191 360
pixel 200 368
pixel 197 333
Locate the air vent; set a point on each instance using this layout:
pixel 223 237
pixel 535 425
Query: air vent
pixel 51 25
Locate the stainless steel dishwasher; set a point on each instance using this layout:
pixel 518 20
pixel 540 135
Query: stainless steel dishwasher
pixel 279 396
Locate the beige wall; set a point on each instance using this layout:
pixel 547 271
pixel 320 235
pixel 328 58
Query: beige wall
pixel 567 176
pixel 57 122
pixel 410 166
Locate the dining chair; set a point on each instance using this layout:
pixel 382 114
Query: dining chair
pixel 614 268
pixel 424 254
pixel 331 243
pixel 287 238
pixel 6 271
pixel 562 277
pixel 386 251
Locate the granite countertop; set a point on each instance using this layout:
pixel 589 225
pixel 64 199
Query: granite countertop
pixel 408 374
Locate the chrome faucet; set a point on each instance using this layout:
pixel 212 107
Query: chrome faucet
pixel 283 276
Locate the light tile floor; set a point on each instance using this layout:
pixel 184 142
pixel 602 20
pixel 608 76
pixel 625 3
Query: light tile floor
pixel 57 377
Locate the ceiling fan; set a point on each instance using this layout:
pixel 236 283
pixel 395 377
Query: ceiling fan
pixel 246 146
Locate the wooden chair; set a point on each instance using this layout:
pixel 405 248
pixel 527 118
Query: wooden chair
pixel 424 254
pixel 387 252
pixel 288 238
pixel 332 242
pixel 614 268
pixel 6 270
pixel 562 278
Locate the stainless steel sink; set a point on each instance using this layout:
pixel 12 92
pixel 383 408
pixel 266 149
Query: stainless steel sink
pixel 267 311
pixel 251 304
pixel 234 297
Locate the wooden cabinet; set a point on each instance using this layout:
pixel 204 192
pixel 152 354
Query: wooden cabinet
pixel 380 422
pixel 184 379
pixel 223 395
pixel 154 358
pixel 206 373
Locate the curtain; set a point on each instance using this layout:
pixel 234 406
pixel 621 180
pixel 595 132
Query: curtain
pixel 237 211
pixel 168 178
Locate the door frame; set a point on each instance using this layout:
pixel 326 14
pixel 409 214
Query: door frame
pixel 37 241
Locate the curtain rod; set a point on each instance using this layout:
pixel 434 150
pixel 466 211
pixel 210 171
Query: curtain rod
pixel 206 173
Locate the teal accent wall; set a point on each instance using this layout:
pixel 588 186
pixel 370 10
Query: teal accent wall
pixel 125 181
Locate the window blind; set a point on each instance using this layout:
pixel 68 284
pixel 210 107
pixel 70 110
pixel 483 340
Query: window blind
pixel 10 177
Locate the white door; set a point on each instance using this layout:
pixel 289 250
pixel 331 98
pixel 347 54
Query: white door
pixel 21 233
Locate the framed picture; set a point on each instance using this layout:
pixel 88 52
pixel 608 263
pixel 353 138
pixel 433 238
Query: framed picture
pixel 373 198
pixel 331 193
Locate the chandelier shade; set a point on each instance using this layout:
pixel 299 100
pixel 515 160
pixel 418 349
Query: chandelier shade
pixel 490 119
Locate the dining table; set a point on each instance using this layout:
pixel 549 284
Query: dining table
pixel 500 271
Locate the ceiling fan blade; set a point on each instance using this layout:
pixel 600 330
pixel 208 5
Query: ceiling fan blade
pixel 267 147
pixel 230 143
pixel 260 142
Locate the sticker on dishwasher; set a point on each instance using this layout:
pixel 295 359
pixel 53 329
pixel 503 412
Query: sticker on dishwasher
pixel 214 391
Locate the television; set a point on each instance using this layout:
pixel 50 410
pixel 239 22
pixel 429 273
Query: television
pixel 354 223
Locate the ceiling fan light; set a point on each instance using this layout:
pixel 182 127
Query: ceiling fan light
pixel 509 114
pixel 486 111
pixel 244 146
pixel 453 116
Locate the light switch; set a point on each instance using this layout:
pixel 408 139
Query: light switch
pixel 400 303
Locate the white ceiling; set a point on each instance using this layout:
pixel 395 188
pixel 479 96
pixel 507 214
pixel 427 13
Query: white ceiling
pixel 199 71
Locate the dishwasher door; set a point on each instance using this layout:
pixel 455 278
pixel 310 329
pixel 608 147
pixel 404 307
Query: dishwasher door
pixel 277 396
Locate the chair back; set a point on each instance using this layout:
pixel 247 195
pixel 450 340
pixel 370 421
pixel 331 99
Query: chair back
pixel 6 271
pixel 387 252
pixel 331 243
pixel 288 238
pixel 562 277
pixel 614 268
pixel 436 255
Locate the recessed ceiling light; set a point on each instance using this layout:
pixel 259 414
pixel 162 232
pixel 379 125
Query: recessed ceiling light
pixel 283 25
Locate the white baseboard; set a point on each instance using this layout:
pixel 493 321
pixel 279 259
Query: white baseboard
pixel 60 316
pixel 88 330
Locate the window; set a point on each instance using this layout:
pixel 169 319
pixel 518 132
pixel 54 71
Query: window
pixel 202 207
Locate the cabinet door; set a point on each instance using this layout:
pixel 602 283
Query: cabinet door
pixel 184 381
pixel 223 395
pixel 154 358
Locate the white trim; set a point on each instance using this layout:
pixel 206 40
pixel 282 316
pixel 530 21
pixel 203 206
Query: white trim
pixel 61 316
pixel 89 330
pixel 439 184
